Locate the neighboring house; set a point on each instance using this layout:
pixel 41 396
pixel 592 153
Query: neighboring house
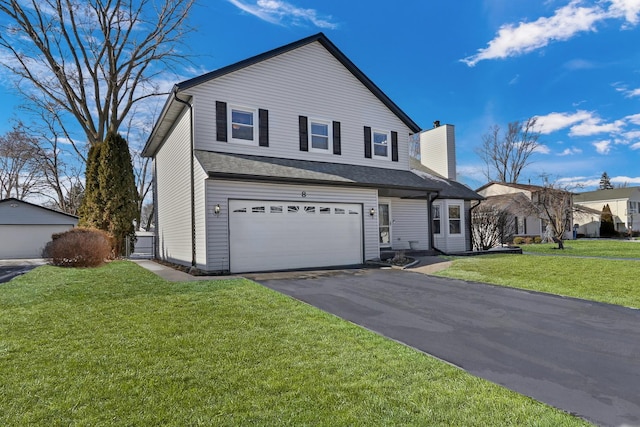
pixel 293 159
pixel 587 221
pixel 521 201
pixel 26 228
pixel 623 202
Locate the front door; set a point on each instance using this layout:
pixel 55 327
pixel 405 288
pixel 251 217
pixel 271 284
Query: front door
pixel 384 224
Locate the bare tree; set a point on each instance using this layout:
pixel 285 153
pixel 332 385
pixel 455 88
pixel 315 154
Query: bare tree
pixel 505 156
pixel 21 174
pixel 554 205
pixel 93 59
pixel 490 226
pixel 61 166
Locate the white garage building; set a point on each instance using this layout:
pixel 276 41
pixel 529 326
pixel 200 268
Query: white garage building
pixel 26 228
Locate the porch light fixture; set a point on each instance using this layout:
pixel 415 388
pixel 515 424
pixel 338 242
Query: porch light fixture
pixel 372 212
pixel 216 209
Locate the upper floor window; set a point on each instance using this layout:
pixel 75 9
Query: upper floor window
pixel 319 135
pixel 633 207
pixel 381 144
pixel 242 125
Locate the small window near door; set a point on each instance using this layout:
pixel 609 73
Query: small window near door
pixel 310 209
pixel 325 210
pixel 276 209
pixel 384 224
pixel 435 209
pixel 455 226
pixel 293 209
pixel 339 211
pixel 258 209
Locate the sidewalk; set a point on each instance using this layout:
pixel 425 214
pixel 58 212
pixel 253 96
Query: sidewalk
pixel 425 265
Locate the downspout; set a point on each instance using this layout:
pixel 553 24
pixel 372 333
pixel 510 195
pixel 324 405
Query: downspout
pixel 471 221
pixel 431 198
pixel 193 191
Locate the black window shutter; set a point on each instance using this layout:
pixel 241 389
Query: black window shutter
pixel 367 142
pixel 221 121
pixel 336 138
pixel 304 134
pixel 263 128
pixel 394 146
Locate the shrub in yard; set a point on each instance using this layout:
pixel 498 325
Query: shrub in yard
pixel 79 247
pixel 528 240
pixel 537 239
pixel 518 240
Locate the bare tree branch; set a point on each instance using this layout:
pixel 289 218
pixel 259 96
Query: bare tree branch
pixel 505 156
pixel 94 59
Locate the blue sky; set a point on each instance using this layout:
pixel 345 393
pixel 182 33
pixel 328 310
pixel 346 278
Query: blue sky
pixel 574 64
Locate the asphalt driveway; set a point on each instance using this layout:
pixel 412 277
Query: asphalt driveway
pixel 10 268
pixel 580 356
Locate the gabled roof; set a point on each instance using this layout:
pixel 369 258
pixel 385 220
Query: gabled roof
pixel 526 187
pixel 172 108
pixel 448 189
pixel 259 168
pixel 14 200
pixel 602 195
pixel 515 203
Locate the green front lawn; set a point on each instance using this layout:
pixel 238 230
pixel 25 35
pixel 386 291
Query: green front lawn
pixel 604 280
pixel 602 247
pixel 119 346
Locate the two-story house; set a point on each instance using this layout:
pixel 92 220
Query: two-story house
pixel 623 202
pixel 292 159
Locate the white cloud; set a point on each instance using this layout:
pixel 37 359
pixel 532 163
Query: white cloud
pixel 542 149
pixel 636 146
pixel 594 126
pixel 635 119
pixel 283 13
pixel 625 180
pixel 570 151
pixel 526 37
pixel 627 9
pixel 603 147
pixel 564 24
pixel 556 121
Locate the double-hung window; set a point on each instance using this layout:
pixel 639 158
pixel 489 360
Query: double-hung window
pixel 381 143
pixel 435 209
pixel 243 126
pixel 319 135
pixel 455 221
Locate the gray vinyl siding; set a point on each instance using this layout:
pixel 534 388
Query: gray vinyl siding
pixel 201 208
pixel 409 222
pixel 220 191
pixel 173 192
pixel 310 82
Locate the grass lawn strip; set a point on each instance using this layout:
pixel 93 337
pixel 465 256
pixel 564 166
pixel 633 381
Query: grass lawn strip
pixel 603 280
pixel 602 248
pixel 119 346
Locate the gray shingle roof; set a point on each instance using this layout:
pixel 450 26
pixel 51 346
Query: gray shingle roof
pixel 448 189
pixel 602 195
pixel 261 168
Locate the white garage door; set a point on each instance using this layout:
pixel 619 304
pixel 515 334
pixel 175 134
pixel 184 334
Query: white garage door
pixel 271 235
pixel 26 241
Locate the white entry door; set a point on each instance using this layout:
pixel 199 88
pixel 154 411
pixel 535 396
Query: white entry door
pixel 273 235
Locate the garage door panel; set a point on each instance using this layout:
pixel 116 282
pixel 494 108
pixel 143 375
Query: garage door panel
pixel 26 241
pixel 267 235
